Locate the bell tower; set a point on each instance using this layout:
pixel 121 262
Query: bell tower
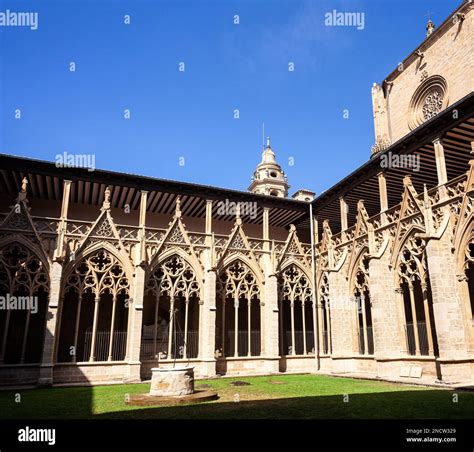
pixel 269 178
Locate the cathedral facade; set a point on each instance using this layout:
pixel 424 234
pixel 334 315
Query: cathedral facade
pixel 105 275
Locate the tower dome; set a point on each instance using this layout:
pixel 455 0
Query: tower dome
pixel 269 178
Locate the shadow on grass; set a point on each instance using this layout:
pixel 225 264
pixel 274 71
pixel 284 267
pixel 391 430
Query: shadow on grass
pixel 384 405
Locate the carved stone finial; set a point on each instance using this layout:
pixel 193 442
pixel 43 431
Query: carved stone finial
pixel 23 190
pixel 430 27
pixel 178 206
pixel 407 181
pixel 292 228
pixel 106 203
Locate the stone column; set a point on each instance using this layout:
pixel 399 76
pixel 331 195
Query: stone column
pixel 269 313
pixel 207 325
pixel 134 333
pixel 344 330
pixel 387 306
pixel 135 307
pixel 449 315
pixel 208 308
pixel 50 340
pixel 269 309
pixel 53 314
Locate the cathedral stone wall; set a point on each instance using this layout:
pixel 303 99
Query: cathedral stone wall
pixel 447 53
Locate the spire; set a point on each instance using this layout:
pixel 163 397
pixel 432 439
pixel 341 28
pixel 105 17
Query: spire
pixel 430 26
pixel 269 178
pixel 268 156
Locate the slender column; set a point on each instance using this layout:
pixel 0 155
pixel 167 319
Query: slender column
pixel 25 336
pixel 280 321
pixel 415 320
pixel 266 224
pixel 112 327
pixel 186 311
pixel 236 327
pixel 364 322
pixel 328 332
pixel 170 328
pixel 76 326
pixel 135 304
pixel 54 312
pixel 207 306
pixel 224 309
pixel 344 211
pixel 440 161
pixel 383 192
pixel 94 328
pixel 292 307
pixel 314 299
pixel 304 327
pixel 5 336
pixel 249 332
pixel 424 290
pixel 155 326
pixel 321 328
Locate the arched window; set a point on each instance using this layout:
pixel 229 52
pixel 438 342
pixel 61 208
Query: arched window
pixel 238 311
pixel 171 311
pixel 415 289
pixel 24 288
pixel 469 273
pixel 326 340
pixel 95 310
pixel 364 313
pixel 296 313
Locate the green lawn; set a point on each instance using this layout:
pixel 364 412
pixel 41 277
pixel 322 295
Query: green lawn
pixel 275 397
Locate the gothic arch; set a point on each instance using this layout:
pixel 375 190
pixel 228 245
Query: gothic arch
pixel 95 300
pixel 414 299
pixel 355 264
pixel 122 259
pixel 172 298
pixel 231 258
pixel 297 315
pixel 25 285
pixel 400 244
pixel 465 274
pixel 238 297
pixel 34 248
pixel 360 290
pixel 297 263
pixel 464 237
pixel 193 263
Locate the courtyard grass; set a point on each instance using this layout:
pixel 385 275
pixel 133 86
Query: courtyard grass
pixel 268 397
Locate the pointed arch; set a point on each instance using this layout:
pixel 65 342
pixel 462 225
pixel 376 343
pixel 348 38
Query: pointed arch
pixel 172 299
pixel 239 295
pixel 355 265
pixel 193 262
pixel 409 234
pixel 231 258
pixel 295 294
pixel 95 300
pixel 412 280
pixel 24 286
pixel 360 289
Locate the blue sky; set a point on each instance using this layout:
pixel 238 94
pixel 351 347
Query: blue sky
pixel 190 114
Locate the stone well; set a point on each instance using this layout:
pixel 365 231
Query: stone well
pixel 172 382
